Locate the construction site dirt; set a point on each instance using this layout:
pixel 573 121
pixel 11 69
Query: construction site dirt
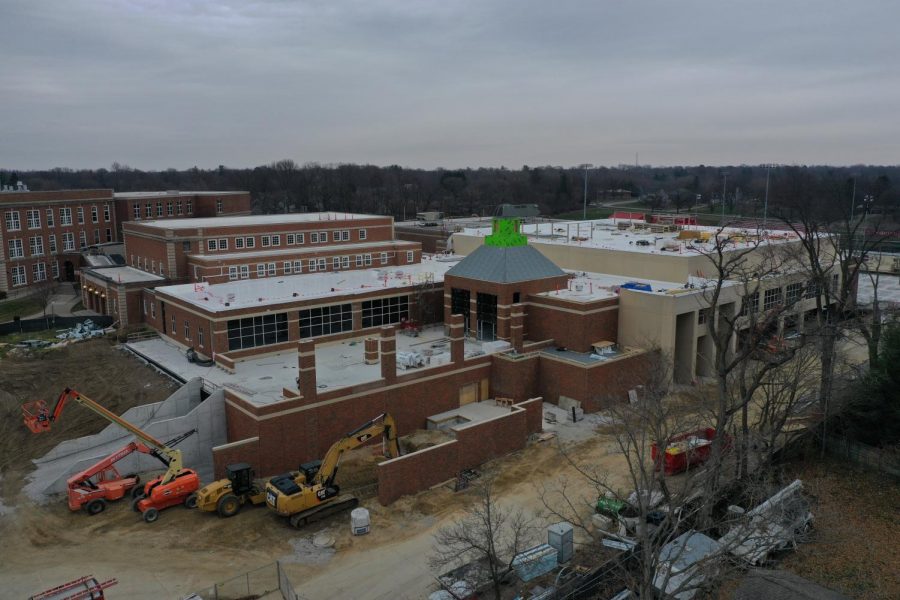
pixel 187 550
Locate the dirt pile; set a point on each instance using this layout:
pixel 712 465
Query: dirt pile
pixel 108 375
pixel 423 438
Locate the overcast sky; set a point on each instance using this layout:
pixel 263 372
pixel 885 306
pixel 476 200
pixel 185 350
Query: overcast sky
pixel 178 83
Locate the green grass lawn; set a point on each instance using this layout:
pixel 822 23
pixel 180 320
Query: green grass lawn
pixel 21 307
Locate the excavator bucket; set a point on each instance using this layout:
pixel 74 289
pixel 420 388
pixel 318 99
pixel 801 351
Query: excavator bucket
pixel 36 416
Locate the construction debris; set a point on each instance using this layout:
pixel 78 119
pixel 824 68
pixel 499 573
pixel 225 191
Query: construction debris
pixel 82 331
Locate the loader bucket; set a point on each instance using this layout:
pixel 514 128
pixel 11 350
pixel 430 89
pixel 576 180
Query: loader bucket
pixel 36 416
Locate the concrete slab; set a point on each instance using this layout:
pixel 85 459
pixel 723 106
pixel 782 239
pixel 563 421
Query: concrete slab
pixel 338 364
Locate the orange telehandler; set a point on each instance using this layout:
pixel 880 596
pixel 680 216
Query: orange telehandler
pixel 101 483
pixel 178 485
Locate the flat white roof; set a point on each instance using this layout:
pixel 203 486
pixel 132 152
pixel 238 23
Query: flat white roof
pixel 605 234
pixel 241 221
pixel 124 275
pixel 292 250
pixel 277 290
pixel 174 194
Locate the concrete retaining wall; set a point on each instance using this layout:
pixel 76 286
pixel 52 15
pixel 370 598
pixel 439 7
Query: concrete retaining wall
pixel 180 413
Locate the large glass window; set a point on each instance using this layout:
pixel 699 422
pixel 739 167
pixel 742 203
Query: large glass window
pixel 65 216
pixel 257 331
pixel 772 298
pixel 385 311
pixel 794 293
pixel 325 320
pixel 750 304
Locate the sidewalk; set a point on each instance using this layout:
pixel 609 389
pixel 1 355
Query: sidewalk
pixel 61 305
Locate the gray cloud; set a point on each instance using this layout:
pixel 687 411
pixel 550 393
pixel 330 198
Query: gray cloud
pixel 468 83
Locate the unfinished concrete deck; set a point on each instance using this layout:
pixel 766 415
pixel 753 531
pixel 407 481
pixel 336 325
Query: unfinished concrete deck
pixel 467 413
pixel 262 379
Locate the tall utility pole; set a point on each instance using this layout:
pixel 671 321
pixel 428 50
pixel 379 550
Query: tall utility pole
pixel 766 205
pixel 853 201
pixel 585 166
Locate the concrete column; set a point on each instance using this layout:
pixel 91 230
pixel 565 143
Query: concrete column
pixel 503 324
pixel 306 363
pixel 388 353
pixel 457 338
pixel 371 351
pixel 517 328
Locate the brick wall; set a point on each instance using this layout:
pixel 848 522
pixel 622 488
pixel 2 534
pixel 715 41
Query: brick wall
pixel 417 471
pixel 480 442
pixel 598 386
pixel 514 378
pixel 573 325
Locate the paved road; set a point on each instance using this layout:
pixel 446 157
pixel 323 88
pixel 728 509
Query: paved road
pixel 62 303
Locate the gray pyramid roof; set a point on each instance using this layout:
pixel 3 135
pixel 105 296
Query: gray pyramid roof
pixel 505 265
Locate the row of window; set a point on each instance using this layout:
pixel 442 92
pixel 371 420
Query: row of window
pixel 16 248
pixel 172 209
pixel 274 240
pixel 33 217
pixel 788 296
pixel 295 267
pixel 38 273
pixel 148 265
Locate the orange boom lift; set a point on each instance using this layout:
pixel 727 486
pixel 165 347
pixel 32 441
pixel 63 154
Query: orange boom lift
pixel 177 485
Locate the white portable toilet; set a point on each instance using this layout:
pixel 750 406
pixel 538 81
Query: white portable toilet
pixel 359 521
pixel 561 536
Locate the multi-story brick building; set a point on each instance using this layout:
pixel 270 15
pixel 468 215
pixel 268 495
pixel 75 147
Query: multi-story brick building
pixel 174 204
pixel 44 233
pixel 222 249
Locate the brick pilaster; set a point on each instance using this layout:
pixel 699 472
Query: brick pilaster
pixel 306 363
pixel 457 338
pixel 389 354
pixel 517 328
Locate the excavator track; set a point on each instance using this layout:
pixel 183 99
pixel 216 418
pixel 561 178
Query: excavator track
pixel 341 503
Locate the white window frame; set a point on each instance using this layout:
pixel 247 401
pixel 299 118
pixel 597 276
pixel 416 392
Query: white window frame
pixel 384 258
pixel 13 223
pixel 159 209
pixel 68 242
pixel 82 239
pixel 211 245
pixel 79 213
pixel 36 245
pixel 106 210
pixel 273 269
pixel 245 271
pixel 410 256
pixel 287 267
pixel 148 210
pixel 38 272
pixel 54 269
pixel 323 264
pixel 312 265
pixel 16 248
pixel 298 266
pixel 265 241
pixel 170 209
pixel 153 310
pixel 239 243
pixel 336 263
pixel 261 270
pixel 345 262
pixel 95 214
pixel 323 237
pixel 19 277
pixel 35 222
pixel 179 208
pixel 314 237
pixel 359 260
pixel 65 216
pixel 276 240
pixel 250 242
pixel 363 234
pixel 187 329
pixel 300 238
pixel 232 273
pixel 223 243
pixel 289 239
pixel 51 242
pixel 368 259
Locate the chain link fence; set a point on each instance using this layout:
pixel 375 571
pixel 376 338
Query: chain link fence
pixel 878 459
pixel 251 585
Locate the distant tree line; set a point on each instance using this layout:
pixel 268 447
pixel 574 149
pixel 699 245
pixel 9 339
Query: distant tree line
pixel 287 186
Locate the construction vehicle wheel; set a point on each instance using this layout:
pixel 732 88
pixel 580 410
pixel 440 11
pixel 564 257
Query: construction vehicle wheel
pixel 135 502
pixel 191 501
pixel 96 506
pixel 137 491
pixel 228 505
pixel 150 515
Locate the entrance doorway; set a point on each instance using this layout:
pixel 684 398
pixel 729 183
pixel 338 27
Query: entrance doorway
pixel 486 311
pixel 69 270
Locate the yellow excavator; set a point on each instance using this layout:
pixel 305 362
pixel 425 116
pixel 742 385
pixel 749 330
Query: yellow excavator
pixel 311 493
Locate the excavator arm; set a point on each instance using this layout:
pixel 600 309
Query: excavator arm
pixel 39 418
pixel 382 424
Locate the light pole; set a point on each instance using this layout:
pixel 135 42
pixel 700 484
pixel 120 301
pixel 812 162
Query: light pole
pixel 766 205
pixel 585 166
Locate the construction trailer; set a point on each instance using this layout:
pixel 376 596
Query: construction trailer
pixel 84 588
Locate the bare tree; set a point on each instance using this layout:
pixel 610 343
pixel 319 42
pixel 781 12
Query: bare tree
pixel 44 292
pixel 489 536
